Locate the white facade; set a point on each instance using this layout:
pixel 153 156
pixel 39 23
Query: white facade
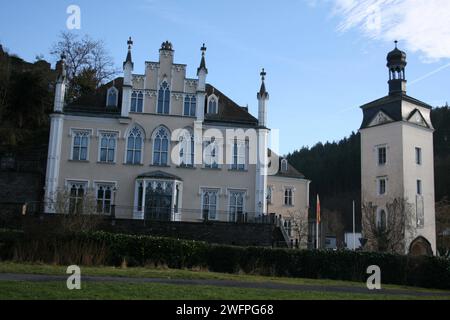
pixel 397 160
pixel 157 145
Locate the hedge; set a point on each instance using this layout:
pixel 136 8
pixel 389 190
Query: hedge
pixel 102 248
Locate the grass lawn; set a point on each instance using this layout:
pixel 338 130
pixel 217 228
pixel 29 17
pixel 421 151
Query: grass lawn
pixel 116 290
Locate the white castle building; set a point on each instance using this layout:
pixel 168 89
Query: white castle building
pixel 397 161
pixel 161 145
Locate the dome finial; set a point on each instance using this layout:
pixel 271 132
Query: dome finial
pixel 396 42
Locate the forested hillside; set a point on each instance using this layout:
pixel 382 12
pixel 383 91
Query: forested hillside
pixel 334 168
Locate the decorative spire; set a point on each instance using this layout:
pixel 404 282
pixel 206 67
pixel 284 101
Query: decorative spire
pixel 395 44
pixel 128 58
pixel 202 62
pixel 262 91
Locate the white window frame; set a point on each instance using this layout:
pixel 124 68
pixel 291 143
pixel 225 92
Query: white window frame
pixel 187 145
pixel 210 164
pixel 113 186
pixel 194 106
pixel 126 136
pixel 418 153
pixel 116 103
pixel 137 101
pixel 72 134
pixel 244 196
pixel 204 190
pixel 169 134
pixel 379 179
pixel 240 156
pixel 284 165
pixel 116 135
pixel 292 196
pixel 216 98
pixel 170 98
pixel 68 186
pixel 378 148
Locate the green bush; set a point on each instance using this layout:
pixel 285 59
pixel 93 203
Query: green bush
pixel 102 248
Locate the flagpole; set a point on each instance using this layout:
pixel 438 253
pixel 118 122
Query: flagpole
pixel 317 221
pixel 317 234
pixel 354 233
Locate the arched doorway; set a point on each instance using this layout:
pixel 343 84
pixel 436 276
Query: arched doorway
pixel 420 247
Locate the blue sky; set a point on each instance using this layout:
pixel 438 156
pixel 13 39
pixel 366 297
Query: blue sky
pixel 323 58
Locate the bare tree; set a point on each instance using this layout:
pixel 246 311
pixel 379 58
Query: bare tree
pixel 84 54
pixel 299 226
pixel 78 213
pixel 387 232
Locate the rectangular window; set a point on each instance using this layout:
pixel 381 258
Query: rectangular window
pixel 238 156
pixel 104 195
pixel 80 145
pixel 137 102
pixel 419 156
pixel 77 193
pixel 381 156
pixel 381 186
pixel 209 204
pixel 419 187
pixel 190 103
pixel 108 143
pixel 236 205
pixel 288 192
pixel 211 155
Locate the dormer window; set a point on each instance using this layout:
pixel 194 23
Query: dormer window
pixel 112 97
pixel 163 98
pixel 213 105
pixel 284 165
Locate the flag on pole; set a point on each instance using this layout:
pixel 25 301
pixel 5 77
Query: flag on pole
pixel 318 210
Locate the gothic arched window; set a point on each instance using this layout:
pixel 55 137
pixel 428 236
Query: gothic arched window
pixel 134 146
pixel 112 97
pixel 187 149
pixel 284 165
pixel 161 146
pixel 163 98
pixel 213 105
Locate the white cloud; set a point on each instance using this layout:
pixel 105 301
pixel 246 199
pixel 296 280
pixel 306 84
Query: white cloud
pixel 420 25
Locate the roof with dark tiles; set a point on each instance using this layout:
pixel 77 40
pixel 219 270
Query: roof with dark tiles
pixel 391 105
pixel 291 172
pixel 229 111
pixel 95 105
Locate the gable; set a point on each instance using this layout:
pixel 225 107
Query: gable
pixel 417 118
pixel 380 118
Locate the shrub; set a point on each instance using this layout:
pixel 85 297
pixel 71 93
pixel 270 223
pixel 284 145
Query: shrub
pixel 102 248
